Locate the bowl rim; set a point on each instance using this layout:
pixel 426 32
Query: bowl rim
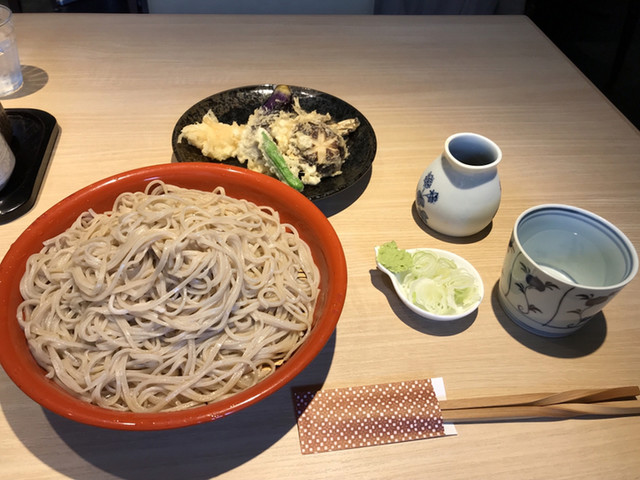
pixel 496 150
pixel 577 211
pixel 56 219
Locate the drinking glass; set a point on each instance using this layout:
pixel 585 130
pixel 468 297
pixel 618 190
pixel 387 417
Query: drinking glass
pixel 10 72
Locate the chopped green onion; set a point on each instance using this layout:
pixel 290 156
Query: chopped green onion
pixel 432 282
pixel 272 152
pixel 438 285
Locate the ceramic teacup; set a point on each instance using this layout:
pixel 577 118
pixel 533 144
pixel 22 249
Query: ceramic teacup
pixel 563 265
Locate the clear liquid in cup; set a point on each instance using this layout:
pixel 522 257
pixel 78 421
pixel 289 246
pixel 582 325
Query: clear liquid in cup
pixel 10 73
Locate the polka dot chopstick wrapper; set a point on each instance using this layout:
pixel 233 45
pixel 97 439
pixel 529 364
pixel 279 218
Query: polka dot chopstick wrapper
pixel 354 417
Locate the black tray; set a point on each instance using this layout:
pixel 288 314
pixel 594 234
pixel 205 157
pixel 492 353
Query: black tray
pixel 34 136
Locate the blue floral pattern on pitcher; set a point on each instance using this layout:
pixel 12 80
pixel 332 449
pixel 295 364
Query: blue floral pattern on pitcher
pixel 426 195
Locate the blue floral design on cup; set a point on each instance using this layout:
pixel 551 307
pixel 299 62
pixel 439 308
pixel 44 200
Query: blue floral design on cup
pixel 562 266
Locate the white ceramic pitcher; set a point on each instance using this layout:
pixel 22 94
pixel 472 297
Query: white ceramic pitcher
pixel 458 194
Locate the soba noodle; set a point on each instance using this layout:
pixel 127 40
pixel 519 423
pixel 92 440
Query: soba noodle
pixel 173 299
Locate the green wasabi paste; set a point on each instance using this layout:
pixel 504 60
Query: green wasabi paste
pixel 393 258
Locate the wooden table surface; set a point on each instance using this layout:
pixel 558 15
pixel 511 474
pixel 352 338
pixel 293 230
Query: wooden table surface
pixel 117 85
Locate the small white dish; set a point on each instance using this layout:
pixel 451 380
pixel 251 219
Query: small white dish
pixel 460 262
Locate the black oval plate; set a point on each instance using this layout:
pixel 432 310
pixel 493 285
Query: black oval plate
pixel 238 104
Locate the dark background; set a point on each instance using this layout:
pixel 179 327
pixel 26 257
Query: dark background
pixel 601 37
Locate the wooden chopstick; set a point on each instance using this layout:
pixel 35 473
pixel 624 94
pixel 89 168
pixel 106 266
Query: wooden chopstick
pixel 544 399
pixel 523 412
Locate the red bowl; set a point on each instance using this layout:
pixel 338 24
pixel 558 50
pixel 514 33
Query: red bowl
pixel 293 207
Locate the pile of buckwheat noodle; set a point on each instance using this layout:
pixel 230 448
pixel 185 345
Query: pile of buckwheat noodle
pixel 173 299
